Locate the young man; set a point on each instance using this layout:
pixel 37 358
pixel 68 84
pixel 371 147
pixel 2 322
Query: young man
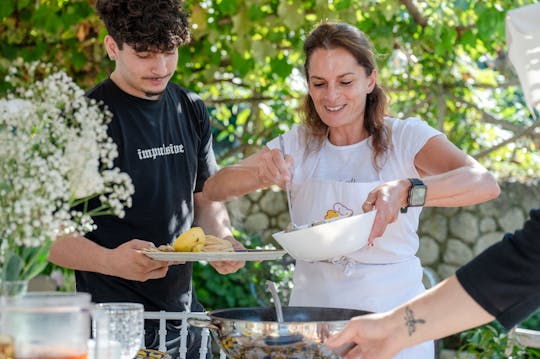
pixel 164 142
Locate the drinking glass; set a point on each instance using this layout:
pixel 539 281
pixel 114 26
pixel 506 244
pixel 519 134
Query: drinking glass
pixel 125 325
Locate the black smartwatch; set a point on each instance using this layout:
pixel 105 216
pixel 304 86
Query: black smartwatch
pixel 417 194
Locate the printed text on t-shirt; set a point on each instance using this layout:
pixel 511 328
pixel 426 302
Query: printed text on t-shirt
pixel 164 150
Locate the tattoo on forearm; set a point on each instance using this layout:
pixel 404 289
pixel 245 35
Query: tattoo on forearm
pixel 410 321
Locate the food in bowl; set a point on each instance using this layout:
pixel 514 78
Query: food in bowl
pixel 329 239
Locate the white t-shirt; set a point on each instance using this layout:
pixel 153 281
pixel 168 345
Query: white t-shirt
pixel 353 163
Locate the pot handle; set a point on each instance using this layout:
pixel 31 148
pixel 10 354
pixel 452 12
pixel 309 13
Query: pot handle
pixel 203 323
pixel 342 350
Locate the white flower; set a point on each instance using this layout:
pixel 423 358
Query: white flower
pixel 55 156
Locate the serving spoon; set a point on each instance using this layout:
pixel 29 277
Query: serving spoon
pixel 284 335
pixel 287 186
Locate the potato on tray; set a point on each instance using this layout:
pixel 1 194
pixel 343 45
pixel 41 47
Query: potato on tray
pixel 195 240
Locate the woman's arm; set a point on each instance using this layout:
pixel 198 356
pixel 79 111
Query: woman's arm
pixel 452 179
pixel 260 170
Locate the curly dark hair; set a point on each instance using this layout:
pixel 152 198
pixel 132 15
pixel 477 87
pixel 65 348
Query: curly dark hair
pixel 332 35
pixel 145 25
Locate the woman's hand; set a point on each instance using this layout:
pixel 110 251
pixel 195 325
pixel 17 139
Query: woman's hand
pixel 260 170
pixel 273 168
pixel 388 199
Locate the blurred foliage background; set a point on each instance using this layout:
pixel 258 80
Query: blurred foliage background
pixel 442 60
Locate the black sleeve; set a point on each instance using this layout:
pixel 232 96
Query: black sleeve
pixel 505 278
pixel 197 113
pixel 207 161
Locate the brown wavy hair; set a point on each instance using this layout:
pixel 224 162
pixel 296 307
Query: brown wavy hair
pixel 330 35
pixel 145 25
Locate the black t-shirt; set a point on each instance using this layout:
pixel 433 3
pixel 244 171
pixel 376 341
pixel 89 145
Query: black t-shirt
pixel 165 146
pixel 505 278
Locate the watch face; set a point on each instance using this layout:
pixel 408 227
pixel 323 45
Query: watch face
pixel 418 196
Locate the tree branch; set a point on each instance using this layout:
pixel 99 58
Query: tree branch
pixel 220 101
pixel 415 13
pixel 523 133
pixel 489 118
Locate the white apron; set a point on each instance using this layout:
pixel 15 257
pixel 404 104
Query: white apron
pixel 345 282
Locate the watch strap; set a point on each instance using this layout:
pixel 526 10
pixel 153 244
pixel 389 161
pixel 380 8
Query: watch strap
pixel 414 182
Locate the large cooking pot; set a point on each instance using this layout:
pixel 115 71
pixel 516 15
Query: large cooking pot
pixel 253 333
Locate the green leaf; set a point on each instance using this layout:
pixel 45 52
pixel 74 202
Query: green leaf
pixel 227 7
pixel 6 8
pixel 342 4
pixel 78 59
pixel 288 13
pixel 35 260
pixel 12 267
pixel 240 64
pixel 468 39
pixel 243 116
pixel 21 4
pixel 281 67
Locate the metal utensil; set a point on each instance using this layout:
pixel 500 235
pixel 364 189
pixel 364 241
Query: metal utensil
pixel 287 187
pixel 284 336
pixel 271 287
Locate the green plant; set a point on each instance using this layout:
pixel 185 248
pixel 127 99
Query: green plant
pixel 532 322
pixel 55 156
pixel 444 61
pixel 491 341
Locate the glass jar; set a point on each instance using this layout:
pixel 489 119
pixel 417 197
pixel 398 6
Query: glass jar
pixel 52 325
pixel 13 288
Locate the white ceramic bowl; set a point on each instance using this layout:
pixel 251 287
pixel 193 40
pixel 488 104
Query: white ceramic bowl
pixel 327 240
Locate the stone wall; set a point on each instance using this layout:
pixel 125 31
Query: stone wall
pixel 449 237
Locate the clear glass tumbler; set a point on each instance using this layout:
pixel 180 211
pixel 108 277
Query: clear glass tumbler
pixel 125 325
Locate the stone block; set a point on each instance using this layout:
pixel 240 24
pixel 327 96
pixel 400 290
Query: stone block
pixel 256 223
pixel 445 270
pixel 435 226
pixel 464 226
pixel 488 224
pixel 428 251
pixel 487 240
pixel 272 203
pixel 512 219
pixel 457 253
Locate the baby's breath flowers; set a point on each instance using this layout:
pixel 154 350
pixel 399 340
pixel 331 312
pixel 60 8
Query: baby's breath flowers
pixel 55 155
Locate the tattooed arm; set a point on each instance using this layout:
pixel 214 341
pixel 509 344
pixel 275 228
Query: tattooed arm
pixel 443 310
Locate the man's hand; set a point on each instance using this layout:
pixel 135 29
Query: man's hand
pixel 228 267
pixel 126 261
